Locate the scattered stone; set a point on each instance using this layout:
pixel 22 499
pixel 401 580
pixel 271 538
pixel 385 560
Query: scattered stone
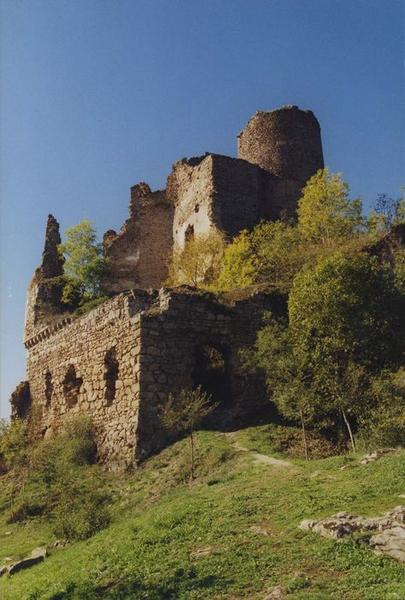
pixel 373 456
pixel 201 552
pixel 275 594
pixel 389 540
pixel 59 544
pixel 36 556
pixel 260 529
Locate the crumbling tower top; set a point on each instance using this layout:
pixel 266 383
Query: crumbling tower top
pixel 285 142
pixel 52 260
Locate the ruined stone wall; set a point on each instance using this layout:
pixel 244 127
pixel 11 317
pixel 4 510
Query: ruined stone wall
pixel 138 255
pixel 43 304
pixel 215 192
pixel 119 363
pixel 173 340
pixel 239 192
pixel 190 188
pixel 72 370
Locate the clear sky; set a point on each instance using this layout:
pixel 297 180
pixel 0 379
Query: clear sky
pixel 97 95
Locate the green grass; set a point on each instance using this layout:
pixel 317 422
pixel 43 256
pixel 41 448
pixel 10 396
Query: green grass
pixel 232 533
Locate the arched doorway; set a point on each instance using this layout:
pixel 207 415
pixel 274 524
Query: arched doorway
pixel 212 372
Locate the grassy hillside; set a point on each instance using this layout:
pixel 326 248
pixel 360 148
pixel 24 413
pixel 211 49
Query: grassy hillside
pixel 232 533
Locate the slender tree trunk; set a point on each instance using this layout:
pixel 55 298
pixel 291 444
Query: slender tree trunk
pixel 192 455
pixel 349 429
pixel 304 436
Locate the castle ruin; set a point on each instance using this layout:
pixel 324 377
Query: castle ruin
pixel 120 362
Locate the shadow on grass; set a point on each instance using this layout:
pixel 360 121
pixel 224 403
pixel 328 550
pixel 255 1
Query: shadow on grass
pixel 170 589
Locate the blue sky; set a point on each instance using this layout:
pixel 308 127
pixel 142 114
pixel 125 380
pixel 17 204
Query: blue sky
pixel 100 94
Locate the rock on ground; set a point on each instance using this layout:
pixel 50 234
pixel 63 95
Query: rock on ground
pixel 389 538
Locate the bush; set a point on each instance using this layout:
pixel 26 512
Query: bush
pixel 13 443
pixel 79 436
pixel 61 482
pixel 385 425
pixel 199 262
pixel 82 507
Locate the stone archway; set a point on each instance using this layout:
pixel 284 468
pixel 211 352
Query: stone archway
pixel 212 371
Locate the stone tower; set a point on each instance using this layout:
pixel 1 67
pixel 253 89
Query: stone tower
pixel 285 142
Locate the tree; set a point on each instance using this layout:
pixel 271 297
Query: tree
pixel 198 263
pixel 183 413
pixel 272 253
pixel 384 425
pixel 238 269
pixel 386 213
pixel 325 212
pixel 84 262
pixel 286 384
pixel 345 322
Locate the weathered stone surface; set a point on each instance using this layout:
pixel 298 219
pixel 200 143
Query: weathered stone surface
pixel 139 253
pixel 375 455
pixel 286 142
pixel 43 304
pixel 120 362
pixel 390 539
pixel 275 594
pixel 21 401
pixel 52 260
pixel 36 556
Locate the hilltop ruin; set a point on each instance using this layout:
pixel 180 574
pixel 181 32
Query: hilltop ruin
pixel 120 362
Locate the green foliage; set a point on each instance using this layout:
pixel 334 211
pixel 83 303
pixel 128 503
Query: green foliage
pixel 238 268
pixel 84 263
pixel 347 308
pixel 345 325
pixel 399 269
pixel 325 211
pixel 384 425
pixel 198 263
pixel 56 482
pixel 232 533
pixel 14 441
pixel 386 214
pixel 88 305
pixel 272 253
pixel 183 413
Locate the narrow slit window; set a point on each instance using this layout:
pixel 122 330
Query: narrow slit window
pixel 110 375
pixel 71 386
pixel 48 389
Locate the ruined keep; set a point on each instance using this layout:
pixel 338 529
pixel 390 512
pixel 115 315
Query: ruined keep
pixel 120 362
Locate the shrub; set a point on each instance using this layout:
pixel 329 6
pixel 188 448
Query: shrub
pixel 61 482
pixel 198 263
pixel 13 443
pixel 325 211
pixel 84 263
pixel 82 507
pixel 385 424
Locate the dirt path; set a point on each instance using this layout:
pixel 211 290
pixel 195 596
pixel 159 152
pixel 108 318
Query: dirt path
pixel 257 456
